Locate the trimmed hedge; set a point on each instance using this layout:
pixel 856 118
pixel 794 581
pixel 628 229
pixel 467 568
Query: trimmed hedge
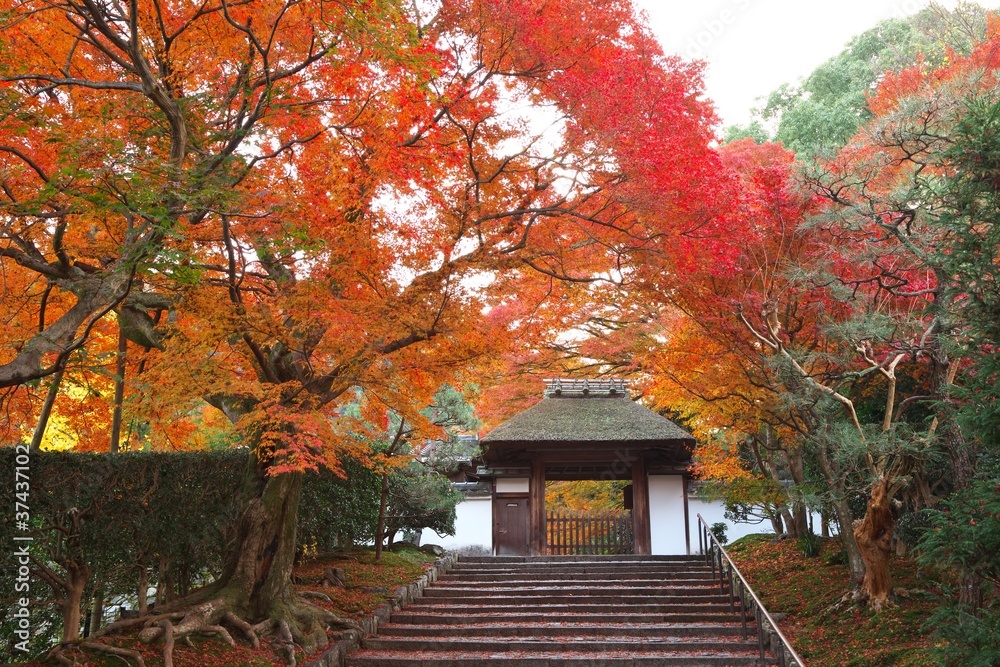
pixel 171 514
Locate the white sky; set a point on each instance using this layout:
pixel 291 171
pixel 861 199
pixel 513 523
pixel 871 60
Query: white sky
pixel 753 46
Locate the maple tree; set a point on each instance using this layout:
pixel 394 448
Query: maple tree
pixel 313 192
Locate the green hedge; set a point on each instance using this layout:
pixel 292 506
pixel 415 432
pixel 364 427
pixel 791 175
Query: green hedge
pixel 172 513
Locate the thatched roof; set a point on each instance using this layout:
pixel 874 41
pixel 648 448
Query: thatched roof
pixel 587 419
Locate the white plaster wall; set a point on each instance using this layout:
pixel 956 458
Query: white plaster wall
pixel 473 526
pixel 666 515
pixel 713 511
pixel 512 485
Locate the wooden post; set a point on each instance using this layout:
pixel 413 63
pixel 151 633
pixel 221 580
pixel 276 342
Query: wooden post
pixel 640 508
pixel 687 517
pixel 536 507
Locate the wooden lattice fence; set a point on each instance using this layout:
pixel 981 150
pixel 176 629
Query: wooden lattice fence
pixel 577 532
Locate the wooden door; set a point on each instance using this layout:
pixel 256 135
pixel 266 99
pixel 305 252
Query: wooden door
pixel 511 526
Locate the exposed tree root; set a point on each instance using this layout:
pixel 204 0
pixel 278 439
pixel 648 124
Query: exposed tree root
pixel 856 599
pixel 298 627
pixel 114 650
pixel 247 629
pixel 287 642
pixel 168 642
pixel 64 659
pixel 64 656
pixel 112 628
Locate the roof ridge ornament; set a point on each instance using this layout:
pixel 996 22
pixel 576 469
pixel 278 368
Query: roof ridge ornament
pixel 586 387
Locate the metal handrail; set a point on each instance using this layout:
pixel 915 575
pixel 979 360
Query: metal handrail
pixel 711 547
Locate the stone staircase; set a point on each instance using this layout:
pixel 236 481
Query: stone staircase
pixel 566 611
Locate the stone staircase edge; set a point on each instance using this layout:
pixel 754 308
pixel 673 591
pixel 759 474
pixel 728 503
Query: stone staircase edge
pixel 336 654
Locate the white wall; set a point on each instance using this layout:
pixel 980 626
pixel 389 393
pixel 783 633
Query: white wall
pixel 473 525
pixel 666 514
pixel 713 512
pixel 512 485
pixel 666 517
pixel 474 519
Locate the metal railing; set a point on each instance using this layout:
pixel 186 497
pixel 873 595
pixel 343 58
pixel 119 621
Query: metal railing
pixel 740 592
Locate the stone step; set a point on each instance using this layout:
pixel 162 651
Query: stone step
pixel 574 580
pixel 676 588
pixel 710 597
pixel 518 658
pixel 588 629
pixel 498 644
pixel 584 608
pixel 619 558
pixel 593 597
pixel 426 618
pixel 561 573
pixel 567 611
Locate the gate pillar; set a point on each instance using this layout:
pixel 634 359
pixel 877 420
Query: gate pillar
pixel 640 508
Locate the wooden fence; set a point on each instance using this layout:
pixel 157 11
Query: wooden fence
pixel 572 532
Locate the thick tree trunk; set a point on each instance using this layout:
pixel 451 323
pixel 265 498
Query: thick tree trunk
pixel 874 537
pixel 76 578
pixel 258 577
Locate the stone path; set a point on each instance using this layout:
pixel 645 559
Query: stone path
pixel 566 611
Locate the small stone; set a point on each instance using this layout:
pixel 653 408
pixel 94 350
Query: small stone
pixel 375 589
pixel 316 595
pixel 432 549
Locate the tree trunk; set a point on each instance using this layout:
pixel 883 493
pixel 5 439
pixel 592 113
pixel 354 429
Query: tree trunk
pixel 97 618
pixel 776 523
pixel 796 468
pixel 184 580
pixel 143 590
pixel 854 558
pixel 380 527
pixel 845 519
pixel 165 582
pixel 258 577
pixel 116 415
pixel 874 537
pixel 786 517
pixel 963 463
pixel 43 418
pixel 76 578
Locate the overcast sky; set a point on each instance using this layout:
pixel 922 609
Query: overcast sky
pixel 753 46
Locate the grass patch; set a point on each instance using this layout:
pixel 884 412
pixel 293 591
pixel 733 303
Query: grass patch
pixel 806 589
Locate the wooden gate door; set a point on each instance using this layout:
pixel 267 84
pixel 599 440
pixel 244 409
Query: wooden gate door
pixel 510 530
pixel 572 532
